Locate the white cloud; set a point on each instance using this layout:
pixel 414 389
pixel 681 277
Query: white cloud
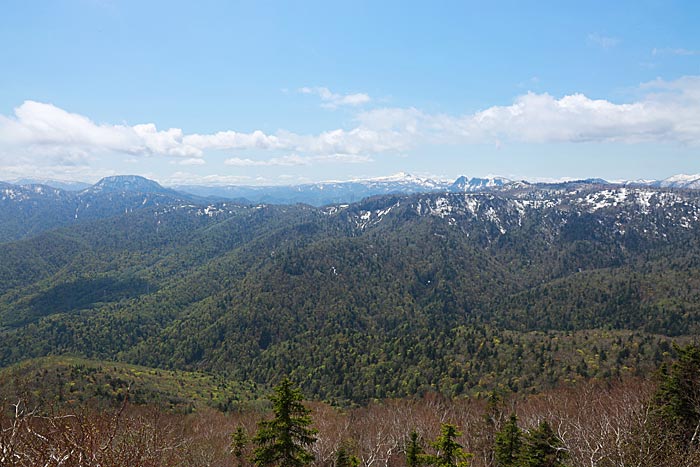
pixel 297 160
pixel 359 140
pixel 44 136
pixel 168 142
pixel 39 129
pixel 43 128
pixel 234 140
pixel 669 112
pixel 39 123
pixel 606 42
pixel 191 161
pixel 290 160
pixel 187 178
pixel 332 100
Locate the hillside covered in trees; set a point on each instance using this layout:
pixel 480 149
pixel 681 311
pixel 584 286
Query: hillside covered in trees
pixel 459 293
pixel 594 424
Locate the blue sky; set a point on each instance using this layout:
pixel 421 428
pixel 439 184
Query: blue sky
pixel 255 92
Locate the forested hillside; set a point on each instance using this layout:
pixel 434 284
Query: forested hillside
pixel 396 295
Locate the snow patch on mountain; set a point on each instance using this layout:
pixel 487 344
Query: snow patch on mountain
pixel 649 212
pixel 681 181
pixel 402 178
pixel 464 184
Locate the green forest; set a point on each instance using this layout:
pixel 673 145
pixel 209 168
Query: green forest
pixel 383 298
pixel 490 319
pixel 616 423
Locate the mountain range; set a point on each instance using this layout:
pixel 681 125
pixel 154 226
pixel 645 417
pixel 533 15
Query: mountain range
pixel 322 193
pixel 516 285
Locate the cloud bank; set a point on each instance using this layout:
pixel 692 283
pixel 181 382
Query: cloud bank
pixel 297 160
pixel 666 111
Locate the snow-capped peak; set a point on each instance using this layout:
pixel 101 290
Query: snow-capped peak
pixel 464 184
pixel 402 178
pixel 680 181
pixel 681 178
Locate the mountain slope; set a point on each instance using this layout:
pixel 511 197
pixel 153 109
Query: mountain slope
pixel 31 209
pixel 386 297
pixel 70 381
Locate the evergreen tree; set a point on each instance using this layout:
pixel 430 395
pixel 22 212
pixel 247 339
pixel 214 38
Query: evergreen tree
pixel 508 444
pixel 678 397
pixel 494 409
pixel 283 441
pixel 543 448
pixel 239 442
pixel 344 459
pixel 414 451
pixel 449 453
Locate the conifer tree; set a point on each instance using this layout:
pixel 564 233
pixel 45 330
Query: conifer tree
pixel 543 448
pixel 284 440
pixel 508 444
pixel 414 451
pixel 239 442
pixel 343 458
pixel 449 452
pixel 678 397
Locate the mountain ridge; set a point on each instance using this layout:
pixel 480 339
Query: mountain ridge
pixel 24 206
pixel 123 183
pixel 407 291
pixel 31 209
pixel 338 191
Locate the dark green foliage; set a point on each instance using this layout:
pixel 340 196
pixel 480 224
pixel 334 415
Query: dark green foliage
pixel 508 444
pixel 678 397
pixel 239 444
pixel 414 451
pixel 343 458
pixel 448 452
pixel 543 448
pixel 284 440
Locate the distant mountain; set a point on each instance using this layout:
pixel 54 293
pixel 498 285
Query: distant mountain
pixel 127 183
pixel 32 208
pixel 464 184
pixel 26 210
pixel 60 184
pixel 322 193
pixel 680 181
pixel 334 192
pixel 596 181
